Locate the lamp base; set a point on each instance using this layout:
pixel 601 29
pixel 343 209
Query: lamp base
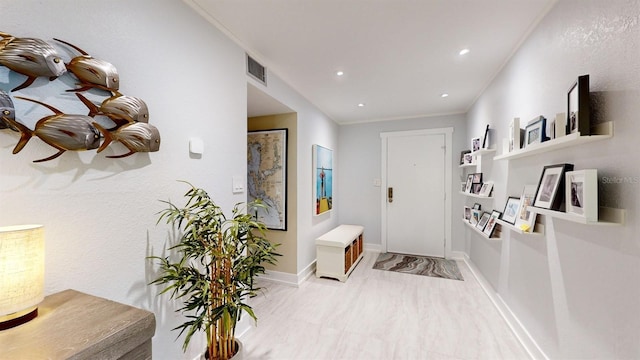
pixel 18 318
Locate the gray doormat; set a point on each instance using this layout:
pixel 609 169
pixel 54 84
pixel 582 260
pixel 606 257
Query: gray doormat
pixel 419 265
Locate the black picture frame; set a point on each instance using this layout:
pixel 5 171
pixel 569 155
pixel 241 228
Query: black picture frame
pixel 578 104
pixel 484 218
pixel 491 224
pixel 511 210
pixel 477 178
pixel 476 206
pixel 462 154
pixel 536 131
pixel 550 192
pixel 485 140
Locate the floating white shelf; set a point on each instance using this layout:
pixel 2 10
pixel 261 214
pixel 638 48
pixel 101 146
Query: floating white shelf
pixel 475 195
pixel 468 165
pixel 606 216
pixel 483 152
pixel 602 131
pixel 480 232
pixel 537 230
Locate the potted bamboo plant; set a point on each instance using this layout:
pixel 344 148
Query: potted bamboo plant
pixel 213 274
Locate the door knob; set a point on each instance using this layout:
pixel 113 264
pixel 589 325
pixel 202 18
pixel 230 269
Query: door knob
pixel 390 194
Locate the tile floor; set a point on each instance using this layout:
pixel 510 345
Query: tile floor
pixel 379 314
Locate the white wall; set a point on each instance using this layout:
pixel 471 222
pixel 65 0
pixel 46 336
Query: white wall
pixel 360 162
pixel 100 214
pixel 575 290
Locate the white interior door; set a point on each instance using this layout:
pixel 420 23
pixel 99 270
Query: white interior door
pixel 416 194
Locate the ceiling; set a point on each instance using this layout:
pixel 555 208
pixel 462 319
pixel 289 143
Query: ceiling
pixel 398 56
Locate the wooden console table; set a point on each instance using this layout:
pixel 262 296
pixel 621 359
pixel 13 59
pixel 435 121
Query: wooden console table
pixel 73 325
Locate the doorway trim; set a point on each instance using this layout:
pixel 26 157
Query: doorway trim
pixel 448 135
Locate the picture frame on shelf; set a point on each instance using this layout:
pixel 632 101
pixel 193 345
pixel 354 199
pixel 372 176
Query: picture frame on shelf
pixel 510 213
pixel 526 218
pixel 484 218
pixel 486 139
pixel 578 113
pixel 467 213
pixel 516 135
pixel 581 191
pixel 475 217
pixel 468 184
pixel 463 187
pixel 475 144
pixel 491 224
pixel 477 206
pixel 550 190
pixel 476 187
pixel 462 154
pixel 468 159
pixel 477 178
pixel 560 125
pixel 486 188
pixel 535 132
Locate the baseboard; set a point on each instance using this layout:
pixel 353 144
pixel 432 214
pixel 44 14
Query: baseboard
pixel 521 333
pixel 375 248
pixel 290 279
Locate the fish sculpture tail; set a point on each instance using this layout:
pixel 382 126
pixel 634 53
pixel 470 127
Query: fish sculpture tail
pixel 25 134
pixel 93 109
pixel 107 136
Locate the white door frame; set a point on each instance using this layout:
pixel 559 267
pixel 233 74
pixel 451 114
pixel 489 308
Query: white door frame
pixel 448 134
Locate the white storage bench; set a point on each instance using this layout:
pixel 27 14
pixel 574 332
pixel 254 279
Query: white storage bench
pixel 339 251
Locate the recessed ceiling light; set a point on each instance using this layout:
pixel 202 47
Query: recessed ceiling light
pixel 340 73
pixel 464 51
pixel 361 105
pixel 444 95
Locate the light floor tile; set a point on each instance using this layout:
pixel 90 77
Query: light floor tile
pixel 379 314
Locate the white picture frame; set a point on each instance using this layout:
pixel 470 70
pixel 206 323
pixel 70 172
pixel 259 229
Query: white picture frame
pixel 514 134
pixel 486 189
pixel 475 144
pixel 526 217
pixel 581 191
pixel 475 216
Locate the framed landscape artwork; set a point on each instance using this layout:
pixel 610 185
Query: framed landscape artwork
pixel 267 175
pixel 322 179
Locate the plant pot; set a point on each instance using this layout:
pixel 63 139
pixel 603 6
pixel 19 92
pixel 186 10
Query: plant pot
pixel 238 356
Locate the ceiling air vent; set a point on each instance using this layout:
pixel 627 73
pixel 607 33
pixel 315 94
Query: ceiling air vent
pixel 256 70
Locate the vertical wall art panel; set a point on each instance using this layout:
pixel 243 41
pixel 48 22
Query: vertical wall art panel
pixel 267 175
pixel 322 179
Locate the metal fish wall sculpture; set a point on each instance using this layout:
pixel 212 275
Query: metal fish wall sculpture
pixel 92 72
pixel 61 131
pixel 121 109
pixel 30 57
pixel 6 110
pixel 137 137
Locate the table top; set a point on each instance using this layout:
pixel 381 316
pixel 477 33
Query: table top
pixel 74 325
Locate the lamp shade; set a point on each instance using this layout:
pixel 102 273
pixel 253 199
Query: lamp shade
pixel 21 272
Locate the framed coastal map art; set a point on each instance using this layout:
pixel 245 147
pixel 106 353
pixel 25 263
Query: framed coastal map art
pixel 267 175
pixel 322 179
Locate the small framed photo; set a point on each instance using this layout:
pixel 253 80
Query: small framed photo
pixel 511 208
pixel 491 224
pixel 535 131
pixel 477 178
pixel 486 189
pixel 467 213
pixel 516 134
pixel 476 188
pixel 468 158
pixel 477 206
pixel 462 154
pixel 486 140
pixel 475 217
pixel 484 218
pixel 578 116
pixel 475 144
pixel 469 184
pixel 549 193
pixel 464 186
pixel 525 216
pixel 582 193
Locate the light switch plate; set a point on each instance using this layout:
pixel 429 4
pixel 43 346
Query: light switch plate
pixel 238 184
pixel 196 146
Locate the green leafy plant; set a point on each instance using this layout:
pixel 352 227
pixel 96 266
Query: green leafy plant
pixel 218 258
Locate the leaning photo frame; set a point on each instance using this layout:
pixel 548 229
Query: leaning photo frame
pixel 578 113
pixel 550 190
pixel 535 132
pixel 581 191
pixel 526 218
pixel 491 224
pixel 510 213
